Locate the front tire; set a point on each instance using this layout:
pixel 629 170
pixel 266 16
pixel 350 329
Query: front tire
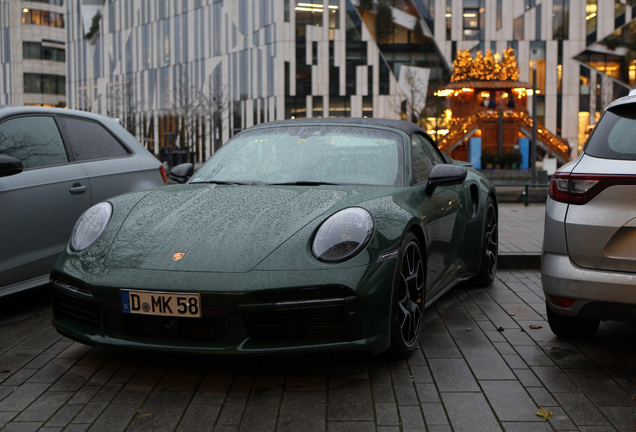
pixel 408 299
pixel 570 327
pixel 490 248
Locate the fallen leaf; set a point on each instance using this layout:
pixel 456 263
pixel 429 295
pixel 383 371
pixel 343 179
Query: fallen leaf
pixel 500 329
pixel 634 398
pixel 535 327
pixel 143 415
pixel 544 413
pixel 6 371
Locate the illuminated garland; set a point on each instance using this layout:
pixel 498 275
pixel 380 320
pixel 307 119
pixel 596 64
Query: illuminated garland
pixel 485 68
pixel 461 127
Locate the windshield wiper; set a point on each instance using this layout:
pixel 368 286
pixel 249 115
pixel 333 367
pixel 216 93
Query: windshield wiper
pixel 304 183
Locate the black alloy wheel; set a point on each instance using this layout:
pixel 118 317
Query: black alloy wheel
pixel 408 299
pixel 490 251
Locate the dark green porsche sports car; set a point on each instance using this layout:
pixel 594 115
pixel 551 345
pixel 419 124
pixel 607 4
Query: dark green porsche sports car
pixel 297 236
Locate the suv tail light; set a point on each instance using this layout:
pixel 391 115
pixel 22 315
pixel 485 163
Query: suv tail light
pixel 561 302
pixel 162 171
pixel 581 188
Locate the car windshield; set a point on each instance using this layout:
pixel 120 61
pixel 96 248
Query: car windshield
pixel 308 155
pixel 615 135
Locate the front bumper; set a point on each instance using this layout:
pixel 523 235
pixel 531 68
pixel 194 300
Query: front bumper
pixel 598 294
pixel 307 312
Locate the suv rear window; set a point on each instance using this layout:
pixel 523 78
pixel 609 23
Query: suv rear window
pixel 615 135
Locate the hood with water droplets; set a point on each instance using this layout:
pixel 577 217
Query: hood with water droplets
pixel 219 228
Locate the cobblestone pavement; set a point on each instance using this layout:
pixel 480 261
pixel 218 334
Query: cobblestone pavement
pixel 521 228
pixel 483 366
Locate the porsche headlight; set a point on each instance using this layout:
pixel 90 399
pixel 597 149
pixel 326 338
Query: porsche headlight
pixel 343 235
pixel 90 225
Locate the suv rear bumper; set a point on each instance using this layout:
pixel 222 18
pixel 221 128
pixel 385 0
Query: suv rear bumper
pixel 598 294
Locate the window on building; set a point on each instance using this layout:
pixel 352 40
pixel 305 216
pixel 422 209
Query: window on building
pixel 473 18
pixel 43 18
pixel 619 14
pixel 537 57
pixel 591 8
pixel 44 83
pixel 367 106
pixel 384 82
pixel 339 106
pixel 449 19
pixel 35 51
pixel 471 24
pixel 309 13
pixel 517 29
pixel 560 19
pixel 499 13
pixel 318 106
pixel 51 2
pixel 287 79
pixel 334 17
pixel 537 28
pixel 166 42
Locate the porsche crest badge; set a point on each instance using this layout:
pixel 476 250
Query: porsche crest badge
pixel 177 256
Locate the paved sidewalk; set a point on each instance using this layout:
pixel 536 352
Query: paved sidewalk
pixel 521 228
pixel 487 362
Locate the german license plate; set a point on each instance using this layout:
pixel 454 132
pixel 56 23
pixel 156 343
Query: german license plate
pixel 160 303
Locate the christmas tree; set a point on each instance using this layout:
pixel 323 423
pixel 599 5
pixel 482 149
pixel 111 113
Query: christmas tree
pixel 477 71
pixel 489 67
pixel 509 70
pixel 485 68
pixel 462 66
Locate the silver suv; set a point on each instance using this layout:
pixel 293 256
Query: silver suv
pixel 589 248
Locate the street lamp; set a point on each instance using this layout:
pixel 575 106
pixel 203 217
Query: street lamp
pixel 533 144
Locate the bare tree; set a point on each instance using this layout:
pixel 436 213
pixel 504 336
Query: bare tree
pixel 414 83
pixel 122 102
pixel 434 115
pixel 200 113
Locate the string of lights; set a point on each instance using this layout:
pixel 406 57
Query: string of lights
pixel 462 126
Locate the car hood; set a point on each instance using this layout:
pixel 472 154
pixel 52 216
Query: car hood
pixel 218 228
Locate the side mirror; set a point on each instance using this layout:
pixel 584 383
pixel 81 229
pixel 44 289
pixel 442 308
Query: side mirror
pixel 445 175
pixel 181 173
pixel 9 166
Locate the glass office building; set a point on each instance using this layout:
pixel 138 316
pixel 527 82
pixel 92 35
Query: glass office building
pixel 33 53
pixel 183 71
pixel 192 73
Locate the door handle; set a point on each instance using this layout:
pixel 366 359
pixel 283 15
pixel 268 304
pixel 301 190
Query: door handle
pixel 78 189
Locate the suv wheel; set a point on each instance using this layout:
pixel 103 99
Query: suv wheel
pixel 570 327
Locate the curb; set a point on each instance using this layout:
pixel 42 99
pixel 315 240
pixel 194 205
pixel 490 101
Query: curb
pixel 519 261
